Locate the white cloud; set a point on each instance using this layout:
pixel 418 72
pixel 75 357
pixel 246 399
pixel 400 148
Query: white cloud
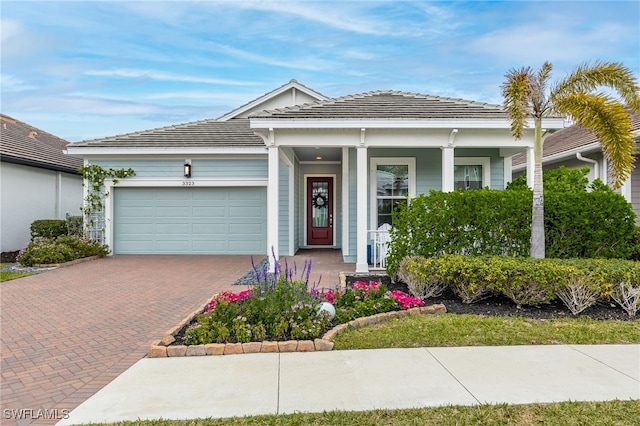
pixel 155 75
pixel 10 83
pixel 305 62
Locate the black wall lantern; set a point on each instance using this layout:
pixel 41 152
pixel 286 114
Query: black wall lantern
pixel 187 168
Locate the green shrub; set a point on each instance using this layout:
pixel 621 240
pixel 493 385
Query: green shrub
pixel 526 281
pixel 75 226
pixel 579 283
pixel 48 228
pixel 479 222
pixel 561 179
pixel 596 224
pixel 421 277
pixel 46 251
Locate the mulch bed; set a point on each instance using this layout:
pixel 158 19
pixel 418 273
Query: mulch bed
pixel 501 306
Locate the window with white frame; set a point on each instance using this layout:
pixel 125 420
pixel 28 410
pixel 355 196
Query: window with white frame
pixel 393 182
pixel 471 172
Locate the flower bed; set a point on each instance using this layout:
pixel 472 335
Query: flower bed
pixel 279 314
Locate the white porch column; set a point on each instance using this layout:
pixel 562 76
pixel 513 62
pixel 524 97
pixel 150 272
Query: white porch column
pixel 530 167
pixel 625 189
pixel 345 202
pixel 447 169
pixel 362 208
pixel 508 173
pixel 272 207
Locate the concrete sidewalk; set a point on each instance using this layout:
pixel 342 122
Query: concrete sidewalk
pixel 263 383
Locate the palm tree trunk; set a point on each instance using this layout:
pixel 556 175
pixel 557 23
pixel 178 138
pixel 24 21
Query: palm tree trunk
pixel 537 214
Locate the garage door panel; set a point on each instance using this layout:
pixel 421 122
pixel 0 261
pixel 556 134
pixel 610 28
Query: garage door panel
pixel 244 229
pixel 189 220
pixel 137 211
pixel 172 229
pixel 245 211
pixel 173 211
pixel 209 211
pixel 200 229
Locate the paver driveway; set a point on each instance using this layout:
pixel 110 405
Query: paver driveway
pixel 68 332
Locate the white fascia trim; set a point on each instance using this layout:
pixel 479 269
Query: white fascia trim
pixel 88 151
pixel 134 182
pixel 257 123
pixel 570 154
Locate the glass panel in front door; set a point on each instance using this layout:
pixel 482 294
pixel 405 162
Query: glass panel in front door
pixel 320 202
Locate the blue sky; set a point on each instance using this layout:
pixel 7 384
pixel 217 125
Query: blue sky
pixel 87 69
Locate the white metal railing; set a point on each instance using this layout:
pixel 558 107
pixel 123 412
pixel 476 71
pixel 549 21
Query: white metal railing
pixel 380 239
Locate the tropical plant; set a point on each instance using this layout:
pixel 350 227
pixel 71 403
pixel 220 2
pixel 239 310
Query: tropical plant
pixel 527 95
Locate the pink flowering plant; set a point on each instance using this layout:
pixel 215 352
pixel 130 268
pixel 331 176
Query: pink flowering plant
pixel 362 299
pixel 282 308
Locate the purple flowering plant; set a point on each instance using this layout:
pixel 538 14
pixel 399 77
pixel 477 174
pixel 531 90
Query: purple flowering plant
pixel 280 306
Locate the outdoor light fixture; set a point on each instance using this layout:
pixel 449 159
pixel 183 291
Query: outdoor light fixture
pixel 187 168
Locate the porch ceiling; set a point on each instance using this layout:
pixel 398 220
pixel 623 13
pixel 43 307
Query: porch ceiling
pixel 312 154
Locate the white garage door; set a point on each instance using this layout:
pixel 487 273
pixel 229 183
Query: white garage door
pixel 190 221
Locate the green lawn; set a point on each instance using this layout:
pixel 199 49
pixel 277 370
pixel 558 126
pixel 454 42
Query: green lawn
pixel 477 330
pixel 564 413
pixel 11 275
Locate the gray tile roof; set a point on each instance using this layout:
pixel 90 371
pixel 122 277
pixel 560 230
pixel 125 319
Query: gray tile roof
pixel 205 133
pixel 24 144
pixel 384 105
pixel 388 105
pixel 570 138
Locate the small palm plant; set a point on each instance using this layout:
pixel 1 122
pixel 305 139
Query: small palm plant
pixel 527 95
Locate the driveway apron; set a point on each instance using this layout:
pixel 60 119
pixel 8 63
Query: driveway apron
pixel 68 332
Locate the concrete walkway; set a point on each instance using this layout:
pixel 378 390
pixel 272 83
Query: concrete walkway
pixel 252 384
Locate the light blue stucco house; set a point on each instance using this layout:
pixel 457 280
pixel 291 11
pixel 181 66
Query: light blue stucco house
pixel 294 169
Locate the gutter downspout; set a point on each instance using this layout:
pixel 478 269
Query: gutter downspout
pixel 596 167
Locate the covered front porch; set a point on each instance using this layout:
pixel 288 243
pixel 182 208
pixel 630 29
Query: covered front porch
pixel 342 198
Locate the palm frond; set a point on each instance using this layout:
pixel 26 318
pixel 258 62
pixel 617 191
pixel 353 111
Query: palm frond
pixel 539 98
pixel 516 91
pixel 609 121
pixel 587 77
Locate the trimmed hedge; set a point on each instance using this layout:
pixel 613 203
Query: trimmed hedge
pixel 492 222
pixel 579 283
pixel 48 228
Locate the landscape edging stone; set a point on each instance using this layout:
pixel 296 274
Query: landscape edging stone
pixel 163 348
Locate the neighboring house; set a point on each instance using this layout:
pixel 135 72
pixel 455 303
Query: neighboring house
pixel 294 169
pixel 37 181
pixel 576 147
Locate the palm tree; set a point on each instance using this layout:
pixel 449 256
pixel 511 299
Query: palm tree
pixel 527 95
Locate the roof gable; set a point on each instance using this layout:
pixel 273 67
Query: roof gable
pixel 28 145
pixel 291 93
